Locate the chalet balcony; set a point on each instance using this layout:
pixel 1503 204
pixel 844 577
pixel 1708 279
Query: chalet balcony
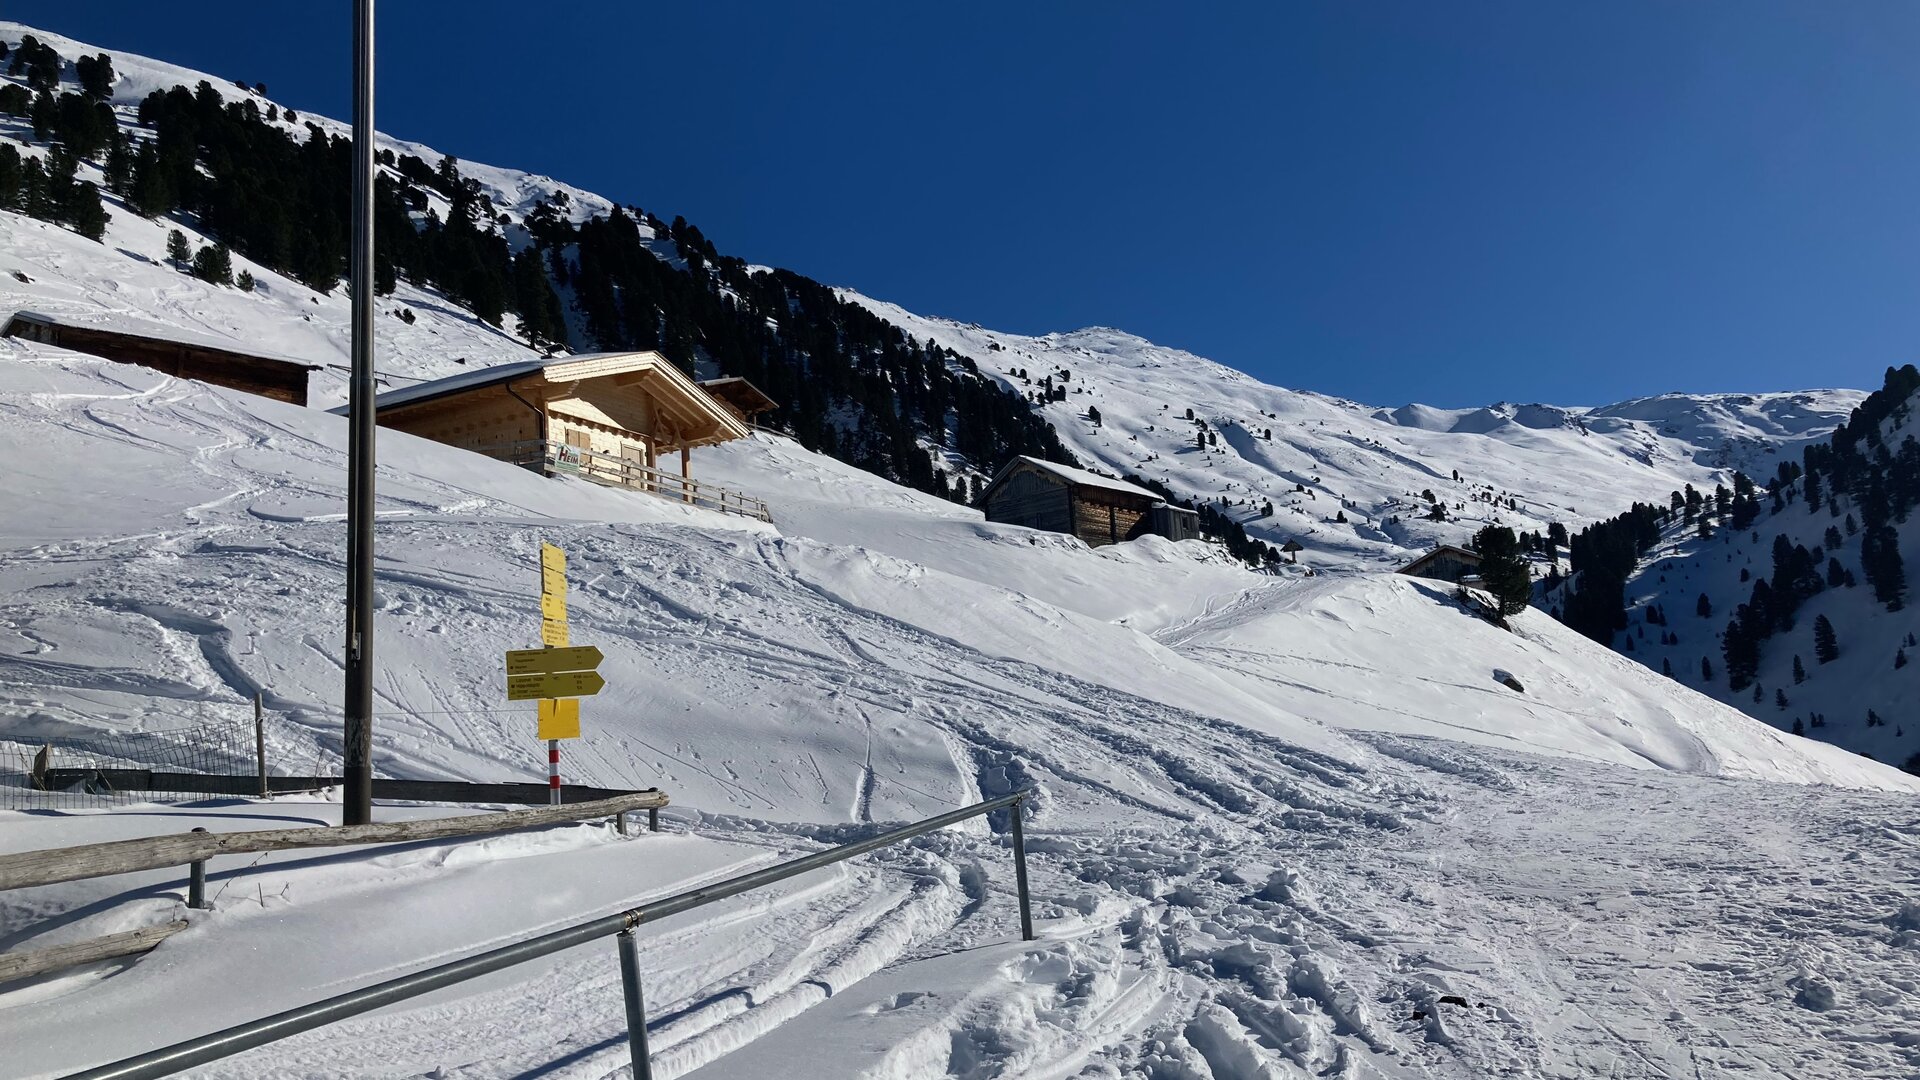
pixel 558 459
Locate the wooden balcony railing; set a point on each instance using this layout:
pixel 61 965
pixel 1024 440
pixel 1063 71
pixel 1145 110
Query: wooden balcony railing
pixel 558 459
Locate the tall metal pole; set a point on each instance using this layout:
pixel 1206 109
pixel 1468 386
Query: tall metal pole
pixel 357 802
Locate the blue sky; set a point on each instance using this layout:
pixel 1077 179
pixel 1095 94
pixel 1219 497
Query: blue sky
pixel 1451 203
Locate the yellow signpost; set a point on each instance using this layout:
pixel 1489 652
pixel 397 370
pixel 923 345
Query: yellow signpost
pixel 556 676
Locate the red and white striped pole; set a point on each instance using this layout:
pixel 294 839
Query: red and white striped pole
pixel 553 771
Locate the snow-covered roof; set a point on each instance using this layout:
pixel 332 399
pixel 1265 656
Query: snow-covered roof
pixel 466 380
pixel 1079 477
pixel 499 373
pixel 124 327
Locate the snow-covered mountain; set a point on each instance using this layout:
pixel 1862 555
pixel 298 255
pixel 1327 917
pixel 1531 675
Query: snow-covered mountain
pixel 1699 584
pixel 1316 458
pixel 1286 825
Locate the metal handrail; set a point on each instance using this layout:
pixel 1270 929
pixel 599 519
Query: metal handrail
pixel 186 1055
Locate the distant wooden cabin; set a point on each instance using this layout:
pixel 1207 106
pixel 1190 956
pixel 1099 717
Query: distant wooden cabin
pixel 1444 563
pixel 607 417
pixel 745 399
pixel 1098 509
pixel 267 376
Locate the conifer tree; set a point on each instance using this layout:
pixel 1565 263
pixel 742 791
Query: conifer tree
pixel 244 281
pixel 83 211
pixel 1703 608
pixel 1799 671
pixel 1780 699
pixel 1899 658
pixel 11 175
pixel 212 264
pixel 1503 570
pixel 1826 646
pixel 1706 670
pixel 177 250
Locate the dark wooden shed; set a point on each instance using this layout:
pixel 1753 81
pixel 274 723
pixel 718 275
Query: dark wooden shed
pixel 282 380
pixel 1445 563
pixel 1098 509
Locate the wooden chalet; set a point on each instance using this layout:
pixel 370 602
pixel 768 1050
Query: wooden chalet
pixel 267 376
pixel 1445 563
pixel 607 417
pixel 1097 509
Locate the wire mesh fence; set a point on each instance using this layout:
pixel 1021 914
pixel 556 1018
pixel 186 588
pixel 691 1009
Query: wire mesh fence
pixel 74 766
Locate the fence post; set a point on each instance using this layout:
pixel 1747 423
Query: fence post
pixel 653 819
pixel 197 882
pixel 260 737
pixel 636 1008
pixel 1020 871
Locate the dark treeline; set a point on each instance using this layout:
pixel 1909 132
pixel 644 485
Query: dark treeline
pixel 849 384
pixel 1861 484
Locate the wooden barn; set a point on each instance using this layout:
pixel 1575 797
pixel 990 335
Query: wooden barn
pixel 282 380
pixel 1098 509
pixel 1445 563
pixel 607 417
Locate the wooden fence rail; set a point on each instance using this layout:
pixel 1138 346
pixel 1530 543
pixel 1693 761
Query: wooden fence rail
pixel 53 865
pixel 25 965
pixel 65 778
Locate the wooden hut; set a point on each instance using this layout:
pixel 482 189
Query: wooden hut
pixel 1445 563
pixel 1098 509
pixel 181 357
pixel 606 417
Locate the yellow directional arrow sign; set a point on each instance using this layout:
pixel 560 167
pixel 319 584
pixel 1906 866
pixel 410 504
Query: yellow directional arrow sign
pixel 547 661
pixel 556 685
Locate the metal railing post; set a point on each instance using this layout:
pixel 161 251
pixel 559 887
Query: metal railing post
pixel 197 882
pixel 636 1007
pixel 1020 870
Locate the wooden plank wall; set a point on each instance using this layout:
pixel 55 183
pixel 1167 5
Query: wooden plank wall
pixel 1100 522
pixel 1031 499
pixel 266 377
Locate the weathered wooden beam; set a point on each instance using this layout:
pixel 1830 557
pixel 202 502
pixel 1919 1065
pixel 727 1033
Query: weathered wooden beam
pixel 453 791
pixel 51 865
pixel 22 965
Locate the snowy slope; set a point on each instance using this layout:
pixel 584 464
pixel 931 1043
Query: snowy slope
pixel 1211 855
pixel 1683 568
pixel 1559 464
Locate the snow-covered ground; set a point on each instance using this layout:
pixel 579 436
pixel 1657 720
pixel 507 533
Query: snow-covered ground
pixel 1279 817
